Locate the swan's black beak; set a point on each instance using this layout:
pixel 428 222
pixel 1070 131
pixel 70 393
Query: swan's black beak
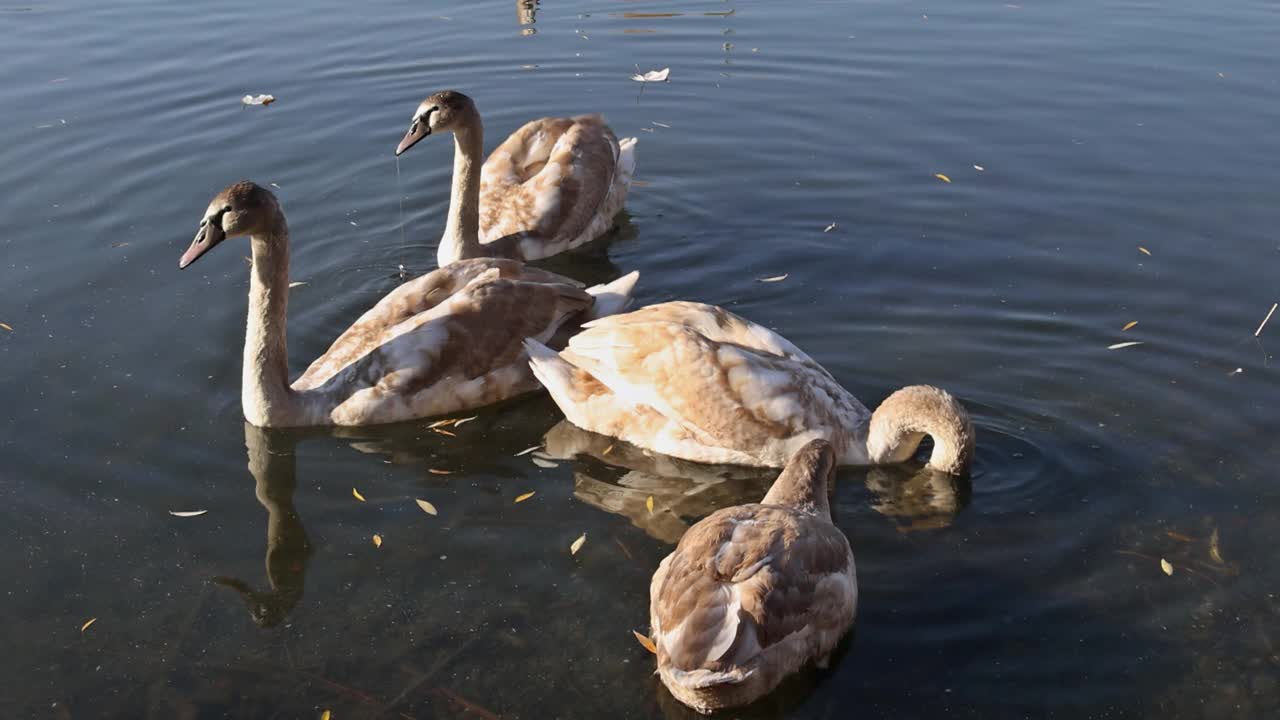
pixel 417 131
pixel 210 234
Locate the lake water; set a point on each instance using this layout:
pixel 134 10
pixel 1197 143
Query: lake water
pixel 1128 154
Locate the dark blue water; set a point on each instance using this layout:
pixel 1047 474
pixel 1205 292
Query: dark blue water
pixel 1032 590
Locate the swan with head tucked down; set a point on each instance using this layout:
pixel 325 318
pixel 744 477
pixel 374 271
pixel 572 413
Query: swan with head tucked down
pixel 443 342
pixel 755 592
pixel 697 382
pixel 555 184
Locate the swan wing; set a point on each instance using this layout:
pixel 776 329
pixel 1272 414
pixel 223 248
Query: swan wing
pixel 408 301
pixel 546 183
pixel 747 580
pixel 719 325
pixel 682 364
pixel 461 354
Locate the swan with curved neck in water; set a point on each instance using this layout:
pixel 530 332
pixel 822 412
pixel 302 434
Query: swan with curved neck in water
pixel 697 382
pixel 555 184
pixel 443 342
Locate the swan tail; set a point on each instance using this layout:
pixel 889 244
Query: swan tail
pixel 566 383
pixel 612 298
pixel 626 159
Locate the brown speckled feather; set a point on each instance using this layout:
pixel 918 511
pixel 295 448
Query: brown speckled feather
pixel 464 352
pixel 754 592
pixel 547 181
pixel 774 556
pixel 721 383
pixel 412 298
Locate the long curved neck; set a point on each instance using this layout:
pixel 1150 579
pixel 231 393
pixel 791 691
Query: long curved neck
pixel 264 389
pixel 803 482
pixel 462 231
pixel 908 415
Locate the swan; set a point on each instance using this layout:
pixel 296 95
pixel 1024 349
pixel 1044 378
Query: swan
pixel 753 593
pixel 697 382
pixel 443 342
pixel 555 184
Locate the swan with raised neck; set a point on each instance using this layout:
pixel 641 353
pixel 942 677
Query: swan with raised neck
pixel 553 185
pixel 753 593
pixel 446 341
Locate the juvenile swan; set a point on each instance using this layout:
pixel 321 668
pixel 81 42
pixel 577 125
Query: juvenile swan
pixel 555 184
pixel 755 592
pixel 444 342
pixel 697 382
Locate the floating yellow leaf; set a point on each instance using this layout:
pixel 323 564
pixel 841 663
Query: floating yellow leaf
pixel 435 471
pixel 377 541
pixel 942 177
pixel 1122 345
pixel 608 450
pixel 577 544
pixel 774 278
pixel 521 498
pixel 87 623
pixel 326 715
pixel 442 431
pixel 1215 552
pixel 187 513
pixel 1166 566
pixel 1143 250
pixel 648 503
pixel 1128 325
pixel 427 507
pixel 7 326
pixel 356 494
pixel 462 421
pixel 645 642
pixel 441 423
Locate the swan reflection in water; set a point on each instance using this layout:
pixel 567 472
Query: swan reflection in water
pixel 273 465
pixel 620 478
pixel 916 496
pixel 526 13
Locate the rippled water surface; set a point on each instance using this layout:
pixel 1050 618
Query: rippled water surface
pixel 1128 173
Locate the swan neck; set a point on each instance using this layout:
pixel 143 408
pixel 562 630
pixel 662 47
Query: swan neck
pixel 462 230
pixel 265 391
pixel 803 483
pixel 904 419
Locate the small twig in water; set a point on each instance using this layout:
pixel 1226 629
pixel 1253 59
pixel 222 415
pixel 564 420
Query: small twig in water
pixel 466 704
pixel 1258 332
